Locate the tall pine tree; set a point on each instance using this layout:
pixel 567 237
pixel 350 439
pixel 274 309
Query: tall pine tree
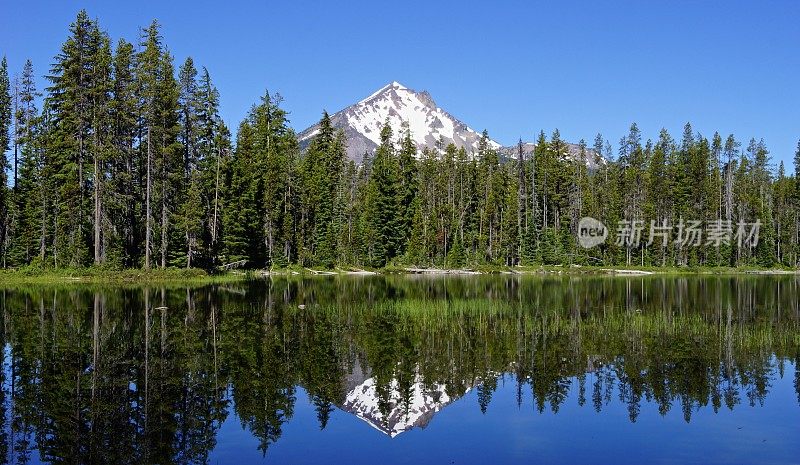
pixel 384 220
pixel 5 127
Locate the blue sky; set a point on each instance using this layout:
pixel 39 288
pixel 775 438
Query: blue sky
pixel 510 67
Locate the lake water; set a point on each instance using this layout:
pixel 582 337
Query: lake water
pixel 405 369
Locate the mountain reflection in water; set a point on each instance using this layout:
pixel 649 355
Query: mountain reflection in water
pixel 110 374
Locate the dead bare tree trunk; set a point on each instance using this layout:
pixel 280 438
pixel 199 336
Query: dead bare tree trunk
pixel 148 226
pixel 189 241
pixel 163 229
pixel 216 201
pixel 97 209
pixel 43 231
pixel 164 218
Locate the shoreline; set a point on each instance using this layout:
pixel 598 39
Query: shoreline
pixel 196 276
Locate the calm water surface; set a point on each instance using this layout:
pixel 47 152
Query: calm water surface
pixel 405 370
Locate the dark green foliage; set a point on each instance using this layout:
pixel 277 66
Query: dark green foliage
pixel 455 256
pixel 384 214
pixel 407 158
pixel 260 189
pixel 120 168
pixel 322 169
pixel 79 103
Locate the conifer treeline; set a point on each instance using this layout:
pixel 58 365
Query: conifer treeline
pixel 119 166
pixel 128 164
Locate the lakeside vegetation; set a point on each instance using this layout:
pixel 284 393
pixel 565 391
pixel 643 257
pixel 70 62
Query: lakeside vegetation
pixel 199 276
pixel 104 275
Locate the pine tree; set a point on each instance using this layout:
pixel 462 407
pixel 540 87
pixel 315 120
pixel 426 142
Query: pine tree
pixel 5 111
pixel 532 225
pixel 214 144
pixel 241 217
pixel 703 194
pixel 221 149
pixel 407 159
pixel 124 239
pixel 25 111
pixel 190 217
pixel 209 125
pixel 784 221
pixel 729 153
pixel 455 256
pixel 5 127
pixel 168 165
pixel 683 188
pixel 189 106
pixel 509 240
pixel 425 238
pixel 385 234
pixel 658 206
pixel 102 137
pixel 279 149
pixel 322 170
pixel 147 76
pixel 34 195
pixel 189 198
pixel 79 96
pixel 349 245
pixel 763 208
pixel 633 163
pixel 29 205
pixel 716 174
pixel 260 189
pixel 491 199
pixel 159 93
pixel 522 211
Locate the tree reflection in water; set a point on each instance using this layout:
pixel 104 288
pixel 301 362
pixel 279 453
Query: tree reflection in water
pixel 96 374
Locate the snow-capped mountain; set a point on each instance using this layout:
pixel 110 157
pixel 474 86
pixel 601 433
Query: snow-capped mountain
pixel 430 126
pixel 396 103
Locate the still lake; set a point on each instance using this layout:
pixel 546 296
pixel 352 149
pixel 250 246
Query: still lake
pixel 404 369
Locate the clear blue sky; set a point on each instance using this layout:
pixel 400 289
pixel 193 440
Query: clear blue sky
pixel 510 67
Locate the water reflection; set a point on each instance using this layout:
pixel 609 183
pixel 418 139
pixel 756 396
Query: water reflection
pixel 149 375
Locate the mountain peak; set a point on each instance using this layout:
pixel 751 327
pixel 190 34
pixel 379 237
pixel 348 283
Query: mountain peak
pixel 392 86
pixel 430 126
